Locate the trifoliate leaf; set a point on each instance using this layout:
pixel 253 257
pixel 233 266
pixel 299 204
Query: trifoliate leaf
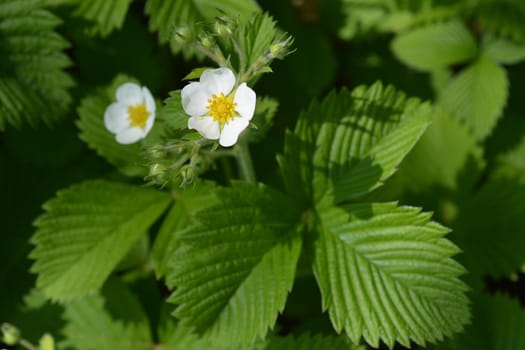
pixel 127 158
pixel 33 83
pixel 169 16
pixel 498 323
pixel 86 230
pixel 435 46
pixel 179 217
pixel 477 96
pixel 447 156
pixel 309 342
pixel 350 143
pixel 105 16
pixel 109 320
pixel 493 247
pixel 386 274
pixel 233 271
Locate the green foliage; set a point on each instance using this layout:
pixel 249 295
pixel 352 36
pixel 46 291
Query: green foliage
pixel 477 96
pixel 86 230
pixel 169 16
pixel 127 158
pixel 485 254
pixel 386 273
pixel 109 320
pixel 105 16
pixel 257 36
pixel 350 143
pixel 435 45
pixel 504 51
pixel 433 162
pixel 180 216
pixel 33 83
pixel 234 269
pixel 499 323
pixel 173 114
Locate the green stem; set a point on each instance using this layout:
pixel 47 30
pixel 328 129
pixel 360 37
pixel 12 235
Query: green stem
pixel 244 160
pixel 27 344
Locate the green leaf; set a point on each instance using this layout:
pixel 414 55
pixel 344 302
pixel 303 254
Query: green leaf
pixel 86 230
pixel 33 83
pixel 127 158
pixel 110 320
pixel 172 112
pixel 498 323
pixel 386 274
pixel 196 73
pixel 256 36
pixel 180 216
pixel 166 16
pixel 105 16
pixel 435 46
pixel 350 143
pixel 233 271
pixel 504 51
pixel 173 336
pixel 309 342
pixel 477 96
pixel 493 247
pixel 447 156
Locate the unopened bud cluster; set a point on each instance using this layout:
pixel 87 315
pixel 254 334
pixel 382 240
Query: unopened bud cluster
pixel 178 162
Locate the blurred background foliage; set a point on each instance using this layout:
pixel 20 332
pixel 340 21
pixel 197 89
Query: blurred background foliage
pixel 472 177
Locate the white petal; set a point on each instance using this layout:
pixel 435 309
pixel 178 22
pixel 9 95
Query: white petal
pixel 195 99
pixel 231 130
pixel 148 99
pixel 149 124
pixel 116 117
pixel 218 80
pixel 245 100
pixel 206 126
pixel 130 135
pixel 129 94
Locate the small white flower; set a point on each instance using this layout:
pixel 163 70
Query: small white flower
pixel 132 116
pixel 216 110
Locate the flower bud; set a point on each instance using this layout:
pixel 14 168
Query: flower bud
pixel 206 41
pixel 157 152
pixel 223 27
pixel 46 342
pixel 183 35
pixel 10 334
pixel 157 170
pixel 281 48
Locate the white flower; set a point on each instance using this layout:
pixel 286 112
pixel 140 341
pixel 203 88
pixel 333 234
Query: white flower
pixel 216 110
pixel 132 116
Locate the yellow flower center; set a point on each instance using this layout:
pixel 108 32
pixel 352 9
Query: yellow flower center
pixel 138 115
pixel 221 108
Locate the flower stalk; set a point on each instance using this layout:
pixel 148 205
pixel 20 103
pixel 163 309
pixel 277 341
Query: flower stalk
pixel 244 162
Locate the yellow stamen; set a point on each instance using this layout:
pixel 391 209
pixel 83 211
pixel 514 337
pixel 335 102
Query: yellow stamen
pixel 138 115
pixel 221 108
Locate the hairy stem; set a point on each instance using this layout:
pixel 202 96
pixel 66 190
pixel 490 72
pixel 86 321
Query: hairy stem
pixel 244 160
